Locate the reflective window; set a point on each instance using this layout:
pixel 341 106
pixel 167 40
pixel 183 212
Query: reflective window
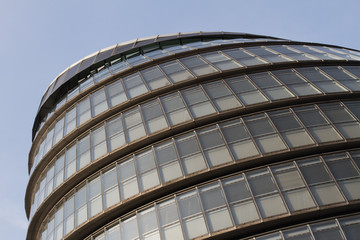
pixel 320 80
pixel 342 119
pixel 154 78
pixel 222 97
pixel 98 102
pixel 246 90
pixel 153 116
pixel 317 125
pixel 83 111
pixel 116 93
pixel 115 133
pixel 197 65
pixel 134 85
pixel 214 206
pixel 264 134
pixel 343 77
pixel 175 109
pixel 221 61
pixel 321 184
pixel 268 55
pixel 271 87
pixel 198 102
pixel 190 155
pixel 290 129
pixel 214 146
pixel 244 57
pixel 175 71
pixel 295 82
pixel 291 52
pixel 134 125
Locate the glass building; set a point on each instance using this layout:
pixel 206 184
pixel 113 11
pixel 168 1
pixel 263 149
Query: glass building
pixel 199 135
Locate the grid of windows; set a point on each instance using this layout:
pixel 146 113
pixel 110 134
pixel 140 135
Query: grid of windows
pixel 252 136
pixel 216 103
pixel 346 228
pixel 219 61
pixel 249 197
pixel 250 89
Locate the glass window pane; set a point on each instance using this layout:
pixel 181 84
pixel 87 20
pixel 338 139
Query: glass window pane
pixel 245 58
pixel 325 134
pixel 70 121
pixel 189 204
pixel 219 219
pixel 175 109
pixel 341 166
pixel 175 71
pixel 327 194
pixel 268 55
pixel 314 171
pixel 211 197
pixel 94 188
pixel 221 96
pixel 116 93
pixel 170 171
pixel 134 85
pixel 197 65
pixel 134 125
pixel 109 179
pixel 153 116
pixel 83 152
pixel 115 133
pixel 261 182
pixel 271 205
pixel 285 121
pixel 351 188
pixel 154 78
pixel 244 212
pixel 129 229
pixel 221 61
pixel 167 212
pixel 165 153
pixel 245 90
pixel 351 227
pixel 326 231
pixel 298 199
pixel 172 232
pixel 301 233
pixel 195 227
pixel 236 189
pixel 147 220
pixel 198 102
pixel 287 177
pixel 259 125
pixel 98 101
pixel 83 111
pixel 113 233
pixel 98 142
pixel 270 143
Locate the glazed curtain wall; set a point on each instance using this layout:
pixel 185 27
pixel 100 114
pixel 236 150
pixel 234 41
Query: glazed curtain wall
pixel 339 124
pixel 251 89
pixel 212 146
pixel 249 197
pixel 345 228
pixel 221 61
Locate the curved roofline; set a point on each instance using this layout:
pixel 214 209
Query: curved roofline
pixel 77 70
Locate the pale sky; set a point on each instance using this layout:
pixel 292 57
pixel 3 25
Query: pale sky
pixel 40 38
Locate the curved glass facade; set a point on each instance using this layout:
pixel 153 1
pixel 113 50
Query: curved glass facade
pixel 249 197
pixel 193 137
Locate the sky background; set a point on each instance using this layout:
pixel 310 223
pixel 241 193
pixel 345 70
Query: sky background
pixel 40 38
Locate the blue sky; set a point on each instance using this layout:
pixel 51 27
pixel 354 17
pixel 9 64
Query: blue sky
pixel 40 38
